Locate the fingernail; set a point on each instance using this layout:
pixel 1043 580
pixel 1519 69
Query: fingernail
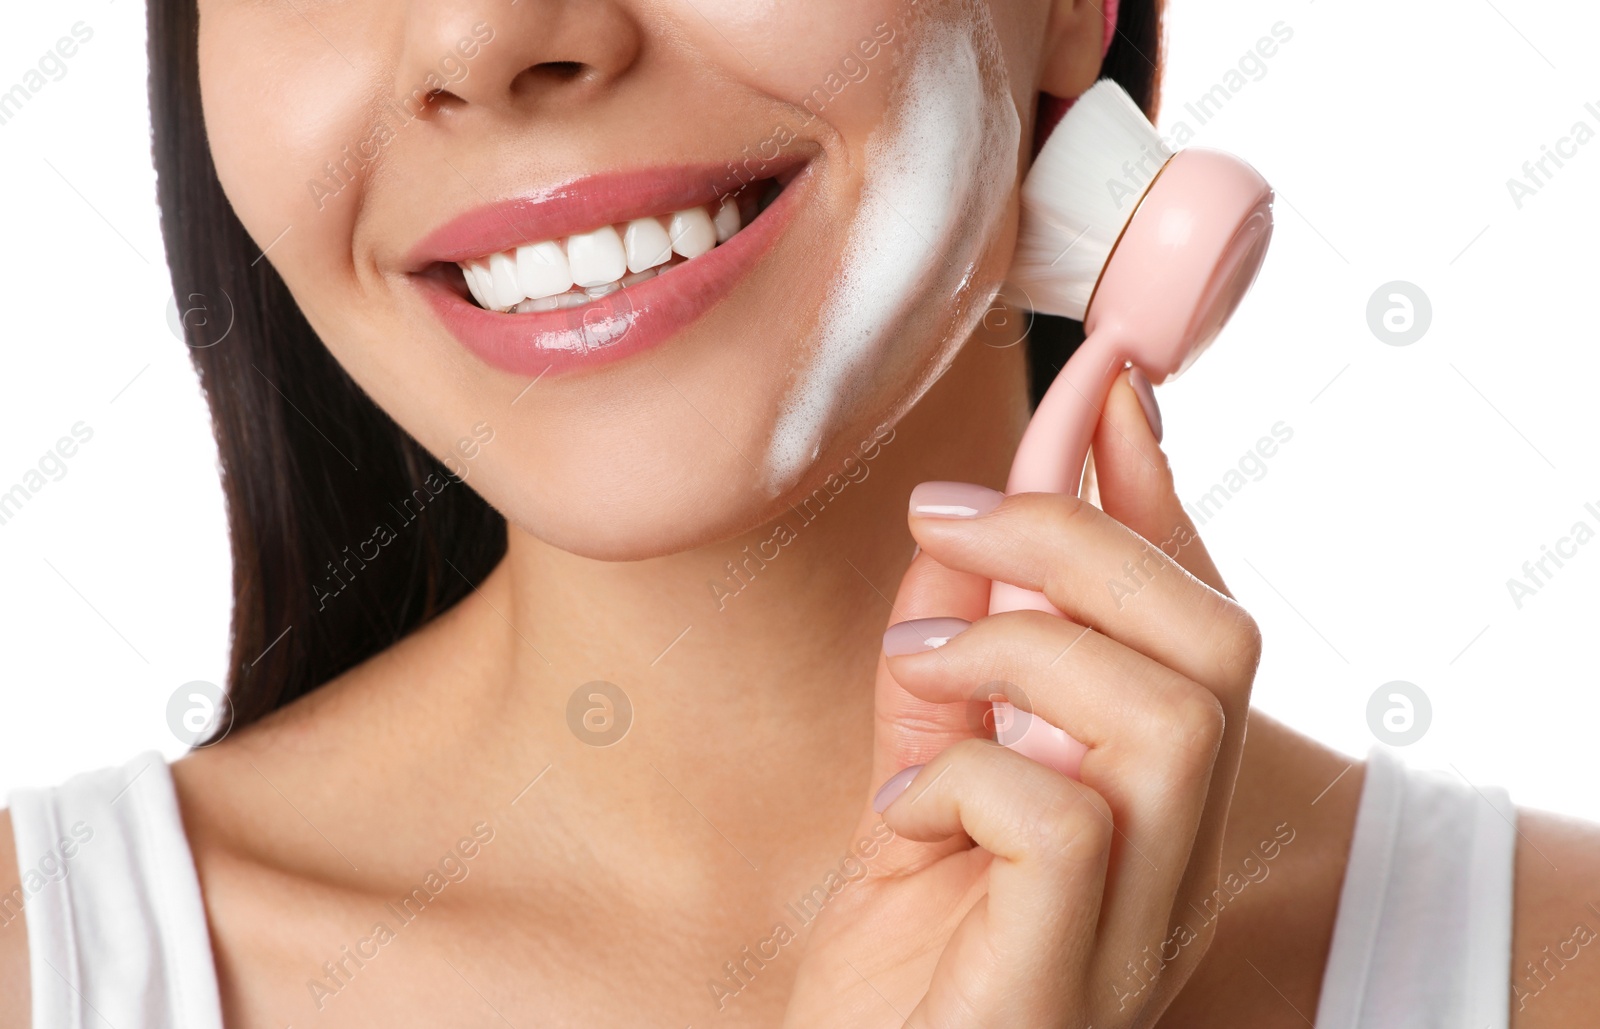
pixel 1147 400
pixel 893 788
pixel 954 500
pixel 920 635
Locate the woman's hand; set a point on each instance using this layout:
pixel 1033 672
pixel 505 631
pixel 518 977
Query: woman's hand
pixel 1011 895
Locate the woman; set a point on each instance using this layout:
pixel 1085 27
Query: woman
pixel 560 693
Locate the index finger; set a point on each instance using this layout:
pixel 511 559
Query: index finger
pixel 1102 574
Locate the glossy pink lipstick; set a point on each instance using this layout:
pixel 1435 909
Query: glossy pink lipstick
pixel 624 322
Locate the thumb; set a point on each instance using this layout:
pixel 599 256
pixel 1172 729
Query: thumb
pixel 1135 479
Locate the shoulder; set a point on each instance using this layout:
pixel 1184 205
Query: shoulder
pixel 15 1010
pixel 1555 942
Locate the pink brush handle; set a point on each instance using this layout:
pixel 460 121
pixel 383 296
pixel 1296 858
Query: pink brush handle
pixel 1050 459
pixel 1184 260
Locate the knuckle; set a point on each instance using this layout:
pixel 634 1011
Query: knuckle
pixel 1238 642
pixel 1076 827
pixel 1195 722
pixel 1202 720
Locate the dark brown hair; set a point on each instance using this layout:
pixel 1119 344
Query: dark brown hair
pixel 1134 62
pixel 310 465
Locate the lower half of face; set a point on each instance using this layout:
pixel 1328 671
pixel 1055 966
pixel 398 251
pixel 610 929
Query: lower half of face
pixel 642 272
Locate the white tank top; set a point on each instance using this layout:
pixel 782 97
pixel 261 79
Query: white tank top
pixel 117 929
pixel 1423 937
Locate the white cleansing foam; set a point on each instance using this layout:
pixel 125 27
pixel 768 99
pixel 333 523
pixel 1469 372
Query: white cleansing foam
pixel 945 156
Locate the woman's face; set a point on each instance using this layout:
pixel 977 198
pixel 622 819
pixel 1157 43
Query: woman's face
pixel 866 150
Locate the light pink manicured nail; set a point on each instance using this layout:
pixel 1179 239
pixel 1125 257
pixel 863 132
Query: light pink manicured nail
pixel 893 788
pixel 920 635
pixel 1147 400
pixel 954 500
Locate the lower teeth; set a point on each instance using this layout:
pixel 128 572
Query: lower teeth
pixel 579 297
pixel 556 303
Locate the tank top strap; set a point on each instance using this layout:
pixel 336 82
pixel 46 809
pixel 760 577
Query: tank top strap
pixel 116 924
pixel 1423 935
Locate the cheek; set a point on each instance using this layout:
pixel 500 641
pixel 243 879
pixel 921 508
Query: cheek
pixel 280 107
pixel 287 118
pixel 939 167
pixel 827 58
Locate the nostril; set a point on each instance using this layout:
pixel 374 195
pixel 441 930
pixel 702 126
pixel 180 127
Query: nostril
pixel 438 98
pixel 553 73
pixel 564 71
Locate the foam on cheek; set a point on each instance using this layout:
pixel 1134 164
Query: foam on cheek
pixel 944 146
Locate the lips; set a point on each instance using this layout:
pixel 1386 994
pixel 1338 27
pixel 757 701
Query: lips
pixel 469 268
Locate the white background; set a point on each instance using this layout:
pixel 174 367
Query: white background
pixel 1377 545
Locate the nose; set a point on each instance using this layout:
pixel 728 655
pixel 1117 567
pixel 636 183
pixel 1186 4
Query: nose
pixel 514 57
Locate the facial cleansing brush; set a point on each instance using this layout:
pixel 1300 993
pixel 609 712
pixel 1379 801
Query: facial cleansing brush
pixel 1153 250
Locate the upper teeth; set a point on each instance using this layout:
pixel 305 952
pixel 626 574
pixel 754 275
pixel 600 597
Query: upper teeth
pixel 535 276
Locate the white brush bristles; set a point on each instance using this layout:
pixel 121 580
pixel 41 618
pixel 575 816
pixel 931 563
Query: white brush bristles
pixel 1085 185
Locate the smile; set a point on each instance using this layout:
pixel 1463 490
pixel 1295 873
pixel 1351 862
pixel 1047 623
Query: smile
pixel 600 268
pixel 560 273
